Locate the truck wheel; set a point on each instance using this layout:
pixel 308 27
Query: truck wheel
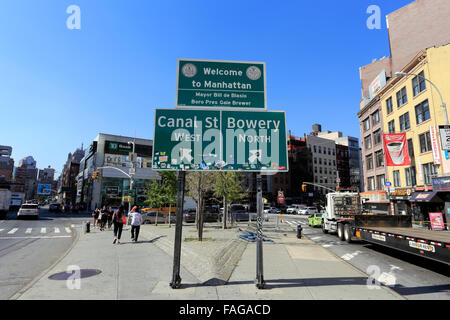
pixel 340 231
pixel 323 228
pixel 347 233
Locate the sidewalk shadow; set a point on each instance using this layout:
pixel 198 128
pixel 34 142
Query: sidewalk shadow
pixel 144 241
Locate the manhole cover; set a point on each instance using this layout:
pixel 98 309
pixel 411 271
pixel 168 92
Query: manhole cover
pixel 84 273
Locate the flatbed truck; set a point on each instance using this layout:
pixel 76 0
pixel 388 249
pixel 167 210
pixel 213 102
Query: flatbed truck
pixel 344 217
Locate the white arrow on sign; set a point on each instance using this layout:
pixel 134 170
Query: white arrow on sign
pixel 186 154
pixel 254 154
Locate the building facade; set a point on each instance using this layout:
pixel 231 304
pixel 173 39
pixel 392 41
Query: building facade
pixel 111 155
pixel 6 164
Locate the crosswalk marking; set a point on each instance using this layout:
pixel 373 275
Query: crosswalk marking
pixel 68 230
pixel 28 230
pixel 12 231
pixel 43 230
pixel 57 230
pixel 1 230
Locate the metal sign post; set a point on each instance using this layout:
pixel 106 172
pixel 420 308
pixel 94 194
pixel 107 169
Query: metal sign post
pixel 260 284
pixel 176 279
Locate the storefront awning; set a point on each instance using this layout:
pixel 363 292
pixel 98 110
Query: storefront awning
pixel 425 197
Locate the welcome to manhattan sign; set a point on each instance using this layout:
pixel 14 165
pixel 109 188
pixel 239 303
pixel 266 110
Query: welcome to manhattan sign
pixel 220 140
pixel 231 85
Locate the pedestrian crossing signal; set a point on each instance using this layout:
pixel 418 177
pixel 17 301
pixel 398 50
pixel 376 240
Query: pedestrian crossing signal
pixel 304 187
pixel 96 176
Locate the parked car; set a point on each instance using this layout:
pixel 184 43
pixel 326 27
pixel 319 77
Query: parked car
pixel 315 220
pixel 55 207
pixel 28 210
pixel 189 215
pixel 153 216
pixel 308 210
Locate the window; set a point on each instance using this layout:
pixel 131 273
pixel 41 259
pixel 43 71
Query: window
pixel 389 105
pixel 404 122
pixel 315 169
pixel 368 142
pixel 380 182
pixel 429 170
pixel 329 151
pixel 366 124
pixel 320 170
pixel 396 178
pixel 401 97
pixel 371 183
pixel 422 112
pixel 377 137
pixel 410 174
pixel 315 160
pixel 379 159
pixel 333 152
pixel 329 162
pixel 320 160
pixel 410 148
pixel 418 84
pixel 325 171
pixel 334 162
pixel 425 142
pixel 375 117
pixel 369 162
pixel 315 150
pixel 391 126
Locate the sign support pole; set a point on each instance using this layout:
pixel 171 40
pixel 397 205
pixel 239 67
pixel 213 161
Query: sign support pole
pixel 176 279
pixel 260 284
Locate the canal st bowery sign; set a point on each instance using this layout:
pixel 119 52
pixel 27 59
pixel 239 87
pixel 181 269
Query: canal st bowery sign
pixel 220 140
pixel 231 85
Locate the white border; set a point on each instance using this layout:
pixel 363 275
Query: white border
pixel 220 108
pixel 221 147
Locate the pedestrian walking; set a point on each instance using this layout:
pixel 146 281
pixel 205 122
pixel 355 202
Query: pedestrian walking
pixel 103 218
pixel 118 220
pixel 136 221
pixel 95 214
pixel 110 214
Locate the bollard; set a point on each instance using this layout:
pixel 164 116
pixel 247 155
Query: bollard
pixel 299 231
pixel 88 227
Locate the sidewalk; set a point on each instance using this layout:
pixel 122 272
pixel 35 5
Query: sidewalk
pixel 221 267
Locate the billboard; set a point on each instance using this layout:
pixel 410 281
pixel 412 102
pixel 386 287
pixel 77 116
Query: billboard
pixel 396 149
pixel 44 189
pixel 436 221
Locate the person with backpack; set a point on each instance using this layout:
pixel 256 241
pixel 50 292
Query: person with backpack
pixel 118 220
pixel 136 221
pixel 95 214
pixel 103 218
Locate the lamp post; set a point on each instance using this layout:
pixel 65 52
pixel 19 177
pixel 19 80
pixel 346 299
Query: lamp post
pixel 132 172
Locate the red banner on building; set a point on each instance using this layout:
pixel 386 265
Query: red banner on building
pixel 396 149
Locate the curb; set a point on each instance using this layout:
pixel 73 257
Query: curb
pixel 21 291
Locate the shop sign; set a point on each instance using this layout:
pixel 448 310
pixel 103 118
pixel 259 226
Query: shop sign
pixel 435 145
pixel 437 221
pixel 444 132
pixel 441 184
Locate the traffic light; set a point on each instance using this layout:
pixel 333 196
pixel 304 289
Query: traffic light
pixel 96 176
pixel 304 187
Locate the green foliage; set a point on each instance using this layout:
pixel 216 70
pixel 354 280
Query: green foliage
pixel 162 192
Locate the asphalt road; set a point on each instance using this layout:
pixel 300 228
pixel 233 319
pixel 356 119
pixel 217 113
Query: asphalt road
pixel 29 247
pixel 411 276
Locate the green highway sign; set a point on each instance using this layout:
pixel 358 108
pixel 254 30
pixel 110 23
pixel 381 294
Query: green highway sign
pixel 220 140
pixel 222 85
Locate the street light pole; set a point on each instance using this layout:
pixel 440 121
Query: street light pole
pixel 132 173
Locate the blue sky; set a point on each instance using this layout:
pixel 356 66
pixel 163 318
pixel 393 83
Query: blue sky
pixel 59 88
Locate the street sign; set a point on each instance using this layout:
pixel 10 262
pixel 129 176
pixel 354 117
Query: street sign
pixel 280 197
pixel 444 132
pixel 225 85
pixel 388 184
pixel 44 189
pixel 220 140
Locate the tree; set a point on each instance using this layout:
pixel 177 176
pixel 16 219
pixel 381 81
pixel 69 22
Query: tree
pixel 162 192
pixel 228 186
pixel 198 184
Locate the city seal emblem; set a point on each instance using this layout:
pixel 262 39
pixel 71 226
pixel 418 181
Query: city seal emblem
pixel 189 70
pixel 253 73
